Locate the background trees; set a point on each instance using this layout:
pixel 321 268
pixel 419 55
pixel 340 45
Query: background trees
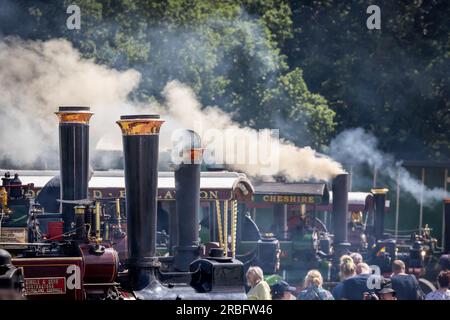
pixel 309 67
pixel 393 82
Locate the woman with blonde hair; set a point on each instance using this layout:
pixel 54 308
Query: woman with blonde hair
pixel 313 288
pixel 347 269
pixel 259 289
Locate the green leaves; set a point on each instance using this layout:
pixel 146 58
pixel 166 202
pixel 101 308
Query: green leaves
pixel 232 53
pixel 388 81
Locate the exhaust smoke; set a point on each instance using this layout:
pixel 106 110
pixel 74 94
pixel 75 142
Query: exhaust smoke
pixel 37 76
pixel 359 147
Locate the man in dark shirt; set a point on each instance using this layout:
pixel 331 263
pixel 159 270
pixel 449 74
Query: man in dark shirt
pixel 405 285
pixel 355 287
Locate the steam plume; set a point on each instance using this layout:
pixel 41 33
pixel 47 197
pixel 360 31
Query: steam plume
pixel 287 160
pixel 36 77
pixel 359 147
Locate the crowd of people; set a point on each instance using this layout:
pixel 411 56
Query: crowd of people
pixel 355 284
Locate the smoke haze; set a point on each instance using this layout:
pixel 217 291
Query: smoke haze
pixel 359 147
pixel 287 160
pixel 36 77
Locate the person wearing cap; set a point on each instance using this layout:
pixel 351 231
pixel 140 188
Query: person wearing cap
pixel 387 293
pixel 259 289
pixel 443 293
pixel 281 290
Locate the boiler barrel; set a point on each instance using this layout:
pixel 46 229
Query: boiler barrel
pixel 100 268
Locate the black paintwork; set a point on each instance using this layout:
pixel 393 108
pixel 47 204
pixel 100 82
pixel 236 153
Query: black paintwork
pixel 379 200
pixel 447 228
pixel 340 208
pixel 74 167
pixel 187 190
pixel 141 165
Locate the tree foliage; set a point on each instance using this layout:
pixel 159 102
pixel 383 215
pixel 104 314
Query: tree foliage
pixel 393 82
pixel 310 67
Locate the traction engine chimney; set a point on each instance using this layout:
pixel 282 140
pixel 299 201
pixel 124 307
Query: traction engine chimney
pixel 187 190
pixel 74 159
pixel 140 146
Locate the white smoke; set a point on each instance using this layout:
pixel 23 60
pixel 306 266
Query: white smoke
pixel 36 77
pixel 294 163
pixel 359 147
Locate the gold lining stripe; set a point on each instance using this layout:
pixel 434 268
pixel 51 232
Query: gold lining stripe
pixel 82 117
pixel 380 191
pixel 140 127
pixel 47 259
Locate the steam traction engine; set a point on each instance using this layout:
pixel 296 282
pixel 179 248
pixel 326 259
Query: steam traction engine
pixel 78 261
pixel 188 277
pixel 67 262
pixel 309 245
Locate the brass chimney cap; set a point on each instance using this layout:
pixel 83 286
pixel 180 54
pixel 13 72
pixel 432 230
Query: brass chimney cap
pixel 74 114
pixel 379 190
pixel 140 125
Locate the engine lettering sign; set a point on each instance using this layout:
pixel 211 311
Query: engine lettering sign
pixel 13 235
pixel 37 286
pixel 294 199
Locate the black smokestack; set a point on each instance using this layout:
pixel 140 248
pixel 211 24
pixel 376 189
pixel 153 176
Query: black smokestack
pixel 446 221
pixel 187 190
pixel 140 147
pixel 340 208
pixel 74 158
pixel 379 201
